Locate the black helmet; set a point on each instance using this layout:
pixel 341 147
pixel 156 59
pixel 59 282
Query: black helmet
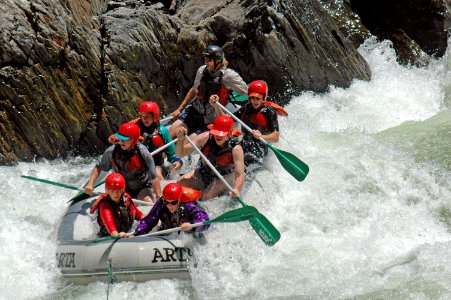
pixel 214 52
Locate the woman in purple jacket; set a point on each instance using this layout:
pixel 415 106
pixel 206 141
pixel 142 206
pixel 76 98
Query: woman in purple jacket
pixel 174 209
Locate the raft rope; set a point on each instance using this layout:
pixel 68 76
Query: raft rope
pixel 111 278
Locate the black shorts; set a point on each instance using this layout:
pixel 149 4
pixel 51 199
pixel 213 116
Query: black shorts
pixel 193 119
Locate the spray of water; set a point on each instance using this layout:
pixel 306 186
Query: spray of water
pixel 372 219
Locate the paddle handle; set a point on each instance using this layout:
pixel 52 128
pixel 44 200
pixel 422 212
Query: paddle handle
pixel 173 229
pixel 164 147
pixel 134 200
pixel 75 188
pixel 239 121
pixel 166 120
pixel 209 163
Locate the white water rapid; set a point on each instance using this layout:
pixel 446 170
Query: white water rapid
pixel 371 221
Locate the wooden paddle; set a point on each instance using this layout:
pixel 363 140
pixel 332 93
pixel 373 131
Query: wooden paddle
pixel 235 215
pixel 261 225
pixel 296 167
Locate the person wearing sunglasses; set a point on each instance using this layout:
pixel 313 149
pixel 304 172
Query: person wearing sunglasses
pixel 213 78
pixel 222 151
pixel 177 207
pixel 115 208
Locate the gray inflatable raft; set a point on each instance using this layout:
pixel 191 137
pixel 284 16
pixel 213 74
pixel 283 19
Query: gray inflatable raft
pixel 83 261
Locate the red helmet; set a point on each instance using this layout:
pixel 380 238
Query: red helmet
pixel 172 191
pixel 115 181
pixel 257 88
pixel 128 131
pixel 222 126
pixel 150 107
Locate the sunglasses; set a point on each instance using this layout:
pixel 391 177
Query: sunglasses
pixel 208 59
pixel 255 98
pixel 175 202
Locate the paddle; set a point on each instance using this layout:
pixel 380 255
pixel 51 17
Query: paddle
pixel 261 225
pixel 166 119
pixel 296 167
pixel 235 215
pixel 74 187
pixel 163 147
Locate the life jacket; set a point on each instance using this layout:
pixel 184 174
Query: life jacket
pixel 123 218
pixel 153 140
pixel 255 119
pixel 130 164
pixel 181 215
pixel 189 194
pixel 221 157
pixel 210 84
pixel 279 109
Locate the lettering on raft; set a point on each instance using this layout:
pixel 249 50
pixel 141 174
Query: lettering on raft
pixel 171 254
pixel 66 259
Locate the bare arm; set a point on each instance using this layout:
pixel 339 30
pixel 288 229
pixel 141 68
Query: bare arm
pixel 182 149
pixel 238 161
pixel 272 137
pixel 189 96
pixel 89 188
pixel 156 185
pixel 212 100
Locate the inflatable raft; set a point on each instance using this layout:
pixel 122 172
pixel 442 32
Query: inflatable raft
pixel 83 259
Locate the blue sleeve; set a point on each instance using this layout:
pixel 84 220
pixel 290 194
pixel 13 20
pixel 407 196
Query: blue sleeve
pixel 170 151
pixel 151 220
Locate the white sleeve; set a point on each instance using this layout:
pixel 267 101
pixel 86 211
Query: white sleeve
pixel 233 81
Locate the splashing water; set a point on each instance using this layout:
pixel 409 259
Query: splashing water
pixel 371 220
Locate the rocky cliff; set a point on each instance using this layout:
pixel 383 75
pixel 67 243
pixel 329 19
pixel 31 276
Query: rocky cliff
pixel 71 71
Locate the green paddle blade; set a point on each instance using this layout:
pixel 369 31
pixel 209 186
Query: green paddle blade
pixel 82 196
pixel 50 182
pixel 265 230
pixel 236 215
pixel 296 167
pixel 263 227
pixel 238 99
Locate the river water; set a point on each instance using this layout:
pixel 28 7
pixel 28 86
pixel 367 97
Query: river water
pixel 371 221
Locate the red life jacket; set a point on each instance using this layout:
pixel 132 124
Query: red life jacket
pixel 122 215
pixel 126 166
pixel 220 157
pixel 279 109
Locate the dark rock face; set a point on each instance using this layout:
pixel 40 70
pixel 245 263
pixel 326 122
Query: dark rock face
pixel 409 24
pixel 72 71
pixel 49 76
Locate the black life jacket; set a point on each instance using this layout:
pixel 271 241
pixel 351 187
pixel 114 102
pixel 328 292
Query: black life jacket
pixel 153 140
pixel 176 219
pixel 210 84
pixel 221 157
pixel 256 118
pixel 120 213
